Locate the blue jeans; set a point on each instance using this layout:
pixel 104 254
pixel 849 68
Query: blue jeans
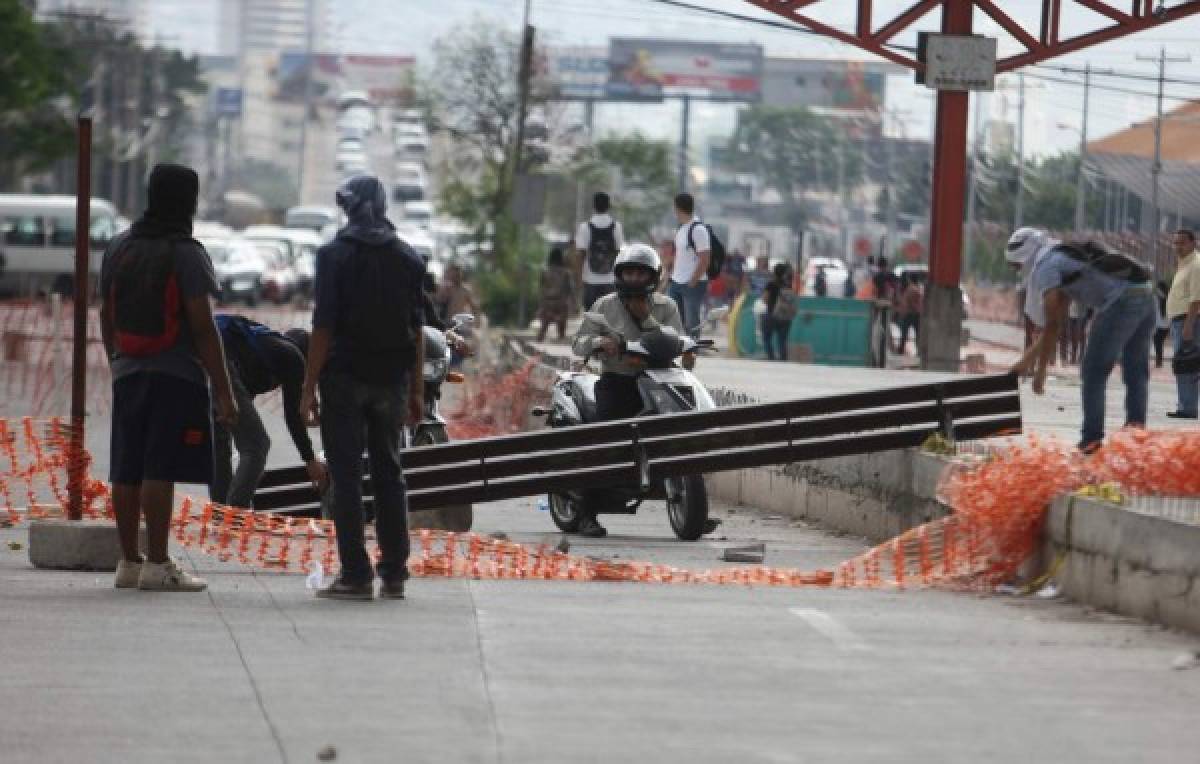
pixel 355 414
pixel 1120 332
pixel 1187 385
pixel 236 488
pixel 775 333
pixel 689 300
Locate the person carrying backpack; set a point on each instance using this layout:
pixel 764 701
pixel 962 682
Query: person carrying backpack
pixel 156 286
pixel 260 360
pixel 782 304
pixel 1119 288
pixel 365 356
pixel 597 243
pixel 699 256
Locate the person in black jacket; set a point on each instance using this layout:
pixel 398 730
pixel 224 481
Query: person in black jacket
pixel 260 360
pixel 366 356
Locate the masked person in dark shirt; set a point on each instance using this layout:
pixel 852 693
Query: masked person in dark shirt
pixel 260 360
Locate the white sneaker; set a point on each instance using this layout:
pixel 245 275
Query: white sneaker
pixel 128 574
pixel 167 577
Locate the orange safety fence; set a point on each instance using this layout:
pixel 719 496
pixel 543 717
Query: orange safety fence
pixel 999 503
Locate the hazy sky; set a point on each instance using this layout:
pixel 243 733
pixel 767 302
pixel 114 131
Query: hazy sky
pixel 409 26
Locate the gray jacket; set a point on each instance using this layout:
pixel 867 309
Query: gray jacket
pixel 663 312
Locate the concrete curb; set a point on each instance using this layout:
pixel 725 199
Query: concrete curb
pixel 1134 564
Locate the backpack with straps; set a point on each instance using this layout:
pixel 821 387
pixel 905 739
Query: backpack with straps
pixel 1108 261
pixel 144 301
pixel 716 249
pixel 785 305
pixel 602 248
pixel 242 336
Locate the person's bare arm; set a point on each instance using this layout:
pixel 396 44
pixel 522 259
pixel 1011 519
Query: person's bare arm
pixel 1041 352
pixel 318 354
pixel 1189 320
pixel 212 355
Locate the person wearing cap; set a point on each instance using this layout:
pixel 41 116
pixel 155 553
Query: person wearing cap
pixel 1121 330
pixel 635 308
pixel 156 321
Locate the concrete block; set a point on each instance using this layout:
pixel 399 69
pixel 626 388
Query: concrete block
pixel 76 545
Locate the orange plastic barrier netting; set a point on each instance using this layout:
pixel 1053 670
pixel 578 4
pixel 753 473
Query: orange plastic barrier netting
pixel 1000 503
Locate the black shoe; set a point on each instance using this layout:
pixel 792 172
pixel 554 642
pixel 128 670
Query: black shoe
pixel 589 528
pixel 1089 447
pixel 392 590
pixel 1180 415
pixel 343 590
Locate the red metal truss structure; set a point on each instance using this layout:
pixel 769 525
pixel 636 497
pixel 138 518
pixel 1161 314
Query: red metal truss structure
pixel 875 35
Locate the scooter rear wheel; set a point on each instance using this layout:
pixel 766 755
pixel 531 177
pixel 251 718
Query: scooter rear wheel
pixel 564 511
pixel 687 506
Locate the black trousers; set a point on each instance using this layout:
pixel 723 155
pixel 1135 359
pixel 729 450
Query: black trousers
pixel 617 397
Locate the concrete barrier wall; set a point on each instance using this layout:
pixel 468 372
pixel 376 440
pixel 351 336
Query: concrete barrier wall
pixel 1119 560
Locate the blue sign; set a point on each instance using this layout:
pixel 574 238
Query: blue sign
pixel 229 102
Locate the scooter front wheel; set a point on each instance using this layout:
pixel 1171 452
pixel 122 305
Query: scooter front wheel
pixel 687 506
pixel 564 511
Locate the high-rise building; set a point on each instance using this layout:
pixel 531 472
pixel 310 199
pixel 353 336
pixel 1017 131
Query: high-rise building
pixel 283 24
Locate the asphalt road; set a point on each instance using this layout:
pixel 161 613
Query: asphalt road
pixel 256 670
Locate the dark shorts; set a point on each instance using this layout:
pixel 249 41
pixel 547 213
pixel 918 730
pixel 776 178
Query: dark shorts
pixel 161 430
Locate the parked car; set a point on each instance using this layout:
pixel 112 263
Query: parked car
pixel 408 117
pixel 313 218
pixel 280 280
pixel 353 98
pixel 348 144
pixel 300 247
pixel 350 160
pixel 239 268
pixel 419 214
pixel 356 116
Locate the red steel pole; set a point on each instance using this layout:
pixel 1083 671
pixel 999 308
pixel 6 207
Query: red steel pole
pixel 83 220
pixel 949 166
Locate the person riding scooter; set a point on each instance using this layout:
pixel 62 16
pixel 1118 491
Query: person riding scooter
pixel 635 308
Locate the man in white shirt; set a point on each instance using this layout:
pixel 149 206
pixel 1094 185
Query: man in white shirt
pixel 693 248
pixel 597 242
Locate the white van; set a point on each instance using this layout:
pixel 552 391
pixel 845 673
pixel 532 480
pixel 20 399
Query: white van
pixel 37 241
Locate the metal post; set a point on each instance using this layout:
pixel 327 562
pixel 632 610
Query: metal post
pixel 973 191
pixel 684 121
pixel 1020 206
pixel 939 344
pixel 83 225
pixel 309 33
pixel 1080 182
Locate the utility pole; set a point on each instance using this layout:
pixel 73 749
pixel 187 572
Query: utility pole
pixel 1020 206
pixel 524 74
pixel 1080 187
pixel 309 33
pixel 1156 168
pixel 684 120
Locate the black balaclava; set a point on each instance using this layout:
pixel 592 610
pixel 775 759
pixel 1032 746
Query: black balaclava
pixel 364 201
pixel 172 193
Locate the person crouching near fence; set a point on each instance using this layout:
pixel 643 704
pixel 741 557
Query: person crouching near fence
pixel 156 283
pixel 366 357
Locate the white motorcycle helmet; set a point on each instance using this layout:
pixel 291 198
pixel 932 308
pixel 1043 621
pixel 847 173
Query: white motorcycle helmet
pixel 1024 244
pixel 637 255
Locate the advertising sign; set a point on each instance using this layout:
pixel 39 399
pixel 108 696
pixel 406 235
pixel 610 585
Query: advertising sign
pixel 650 69
pixel 229 102
pixel 575 73
pixel 384 78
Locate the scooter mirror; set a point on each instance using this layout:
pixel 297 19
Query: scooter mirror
pixel 464 319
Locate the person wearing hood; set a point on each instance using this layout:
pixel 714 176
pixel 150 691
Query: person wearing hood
pixel 1121 329
pixel 156 321
pixel 365 360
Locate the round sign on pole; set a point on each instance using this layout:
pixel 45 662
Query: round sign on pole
pixel 912 250
pixel 862 246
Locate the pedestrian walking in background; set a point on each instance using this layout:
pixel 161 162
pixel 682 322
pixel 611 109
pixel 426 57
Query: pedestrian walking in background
pixel 1121 330
pixel 260 360
pixel 597 242
pixel 781 303
pixel 820 283
pixel 689 275
pixel 557 291
pixel 156 321
pixel 1162 324
pixel 454 295
pixel 1183 307
pixel 909 305
pixel 365 356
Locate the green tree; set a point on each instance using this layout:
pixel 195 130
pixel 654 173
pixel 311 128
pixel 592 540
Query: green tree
pixel 635 170
pixel 36 82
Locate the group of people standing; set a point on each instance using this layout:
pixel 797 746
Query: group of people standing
pixel 184 381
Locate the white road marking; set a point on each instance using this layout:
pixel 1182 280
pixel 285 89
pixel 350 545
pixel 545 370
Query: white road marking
pixel 831 628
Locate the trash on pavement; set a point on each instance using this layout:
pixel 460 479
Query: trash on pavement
pixel 754 553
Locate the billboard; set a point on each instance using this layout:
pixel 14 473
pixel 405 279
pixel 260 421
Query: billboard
pixel 648 69
pixel 575 73
pixel 821 83
pixel 384 78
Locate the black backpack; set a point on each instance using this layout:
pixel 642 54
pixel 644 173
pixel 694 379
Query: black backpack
pixel 380 297
pixel 716 251
pixel 242 336
pixel 1109 261
pixel 602 248
pixel 144 301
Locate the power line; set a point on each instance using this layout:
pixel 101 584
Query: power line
pixel 1121 75
pixel 1113 89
